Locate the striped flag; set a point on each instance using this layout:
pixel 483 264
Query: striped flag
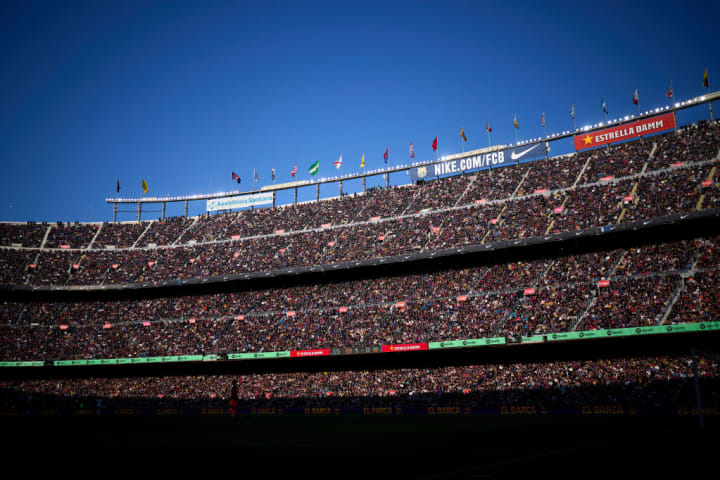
pixel 412 151
pixel 635 100
pixel 669 93
pixel 542 120
pixel 385 157
pixel 338 163
pixel 487 126
pixel 294 171
pixel 572 111
pixel 314 167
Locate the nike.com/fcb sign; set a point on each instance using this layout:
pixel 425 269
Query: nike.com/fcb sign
pixel 638 128
pixel 492 159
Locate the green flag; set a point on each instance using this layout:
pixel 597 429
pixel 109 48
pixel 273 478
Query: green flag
pixel 314 167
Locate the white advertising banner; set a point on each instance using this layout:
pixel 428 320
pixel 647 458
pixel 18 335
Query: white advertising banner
pixel 228 203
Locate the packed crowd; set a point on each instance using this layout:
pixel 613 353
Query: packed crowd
pixel 28 234
pixel 648 383
pixel 435 214
pixel 522 298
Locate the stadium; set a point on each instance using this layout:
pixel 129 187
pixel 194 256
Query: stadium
pixel 507 289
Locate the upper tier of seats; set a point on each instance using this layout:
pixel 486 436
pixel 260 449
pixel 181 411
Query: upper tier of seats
pixel 628 182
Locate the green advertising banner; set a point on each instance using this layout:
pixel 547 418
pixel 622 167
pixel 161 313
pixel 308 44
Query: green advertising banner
pixel 475 342
pixel 22 364
pixel 190 358
pixel 254 355
pixel 534 339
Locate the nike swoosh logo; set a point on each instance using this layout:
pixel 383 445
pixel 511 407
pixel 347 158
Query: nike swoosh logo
pixel 515 156
pixel 645 223
pixel 682 217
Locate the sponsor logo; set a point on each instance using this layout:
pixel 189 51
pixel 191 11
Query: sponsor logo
pixel 516 156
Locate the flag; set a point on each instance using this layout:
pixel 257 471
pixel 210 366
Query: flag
pixel 255 175
pixel 635 97
pixel 515 124
pixel 294 171
pixel 272 174
pixel 462 134
pixel 604 105
pixel 412 151
pixel 362 162
pixel 338 163
pixel 145 186
pixel 314 167
pixel 434 144
pixel 572 111
pixel 706 82
pixel 669 93
pixel 235 176
pixel 117 186
pixel 487 127
pixel 542 120
pixel 386 154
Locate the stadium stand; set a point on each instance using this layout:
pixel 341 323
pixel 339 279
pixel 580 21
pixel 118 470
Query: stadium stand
pixel 642 284
pixel 486 207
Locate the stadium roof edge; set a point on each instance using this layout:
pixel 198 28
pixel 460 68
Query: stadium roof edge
pixel 693 102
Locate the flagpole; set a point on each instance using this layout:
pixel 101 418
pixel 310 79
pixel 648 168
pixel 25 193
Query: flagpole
pixel 489 142
pixel 710 103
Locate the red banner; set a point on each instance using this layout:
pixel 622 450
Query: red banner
pixel 529 291
pixel 706 183
pixel 603 283
pixel 646 126
pixel 406 347
pixel 318 352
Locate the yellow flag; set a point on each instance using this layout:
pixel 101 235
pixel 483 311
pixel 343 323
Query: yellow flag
pixel 462 134
pixel 362 162
pixel 145 186
pixel 515 122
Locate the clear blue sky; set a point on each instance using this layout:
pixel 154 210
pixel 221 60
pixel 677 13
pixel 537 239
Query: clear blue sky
pixel 183 93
